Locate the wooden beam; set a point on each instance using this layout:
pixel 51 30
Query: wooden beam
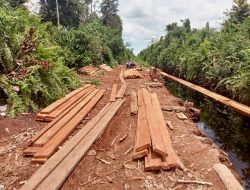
pixel 57 103
pixel 170 160
pixel 42 140
pixel 63 170
pixel 152 116
pixel 142 138
pixel 134 106
pixel 121 92
pixel 52 145
pixel 241 108
pixel 51 164
pixel 227 177
pixel 181 116
pixel 47 127
pixel 113 93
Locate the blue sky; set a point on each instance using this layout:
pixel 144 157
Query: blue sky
pixel 146 19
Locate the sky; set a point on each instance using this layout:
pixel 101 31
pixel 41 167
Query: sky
pixel 144 20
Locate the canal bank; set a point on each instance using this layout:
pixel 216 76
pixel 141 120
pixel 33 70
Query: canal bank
pixel 227 128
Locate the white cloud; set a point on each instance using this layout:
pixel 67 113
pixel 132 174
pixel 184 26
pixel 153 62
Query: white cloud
pixel 146 19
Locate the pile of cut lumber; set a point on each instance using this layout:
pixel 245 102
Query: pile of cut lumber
pixel 56 170
pixel 132 74
pixel 152 138
pixel 106 67
pixel 47 141
pixel 89 70
pixel 64 105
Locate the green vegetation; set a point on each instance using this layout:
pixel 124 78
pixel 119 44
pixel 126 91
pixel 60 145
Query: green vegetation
pixel 38 59
pixel 217 60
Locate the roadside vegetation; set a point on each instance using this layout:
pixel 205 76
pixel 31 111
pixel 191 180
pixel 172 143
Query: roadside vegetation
pixel 217 59
pixel 39 55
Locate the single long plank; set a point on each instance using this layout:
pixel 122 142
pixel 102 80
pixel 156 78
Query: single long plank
pixel 121 92
pixel 66 104
pixel 142 140
pixel 47 127
pixel 241 108
pixel 62 171
pixel 155 132
pixel 134 105
pixel 152 161
pixel 50 165
pixel 52 145
pixel 113 93
pixel 227 177
pixel 170 160
pixel 57 103
pixel 41 141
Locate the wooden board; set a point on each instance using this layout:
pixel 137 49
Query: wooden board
pixel 47 127
pixel 181 116
pixel 67 103
pixel 122 78
pixel 52 145
pixel 121 92
pixel 43 139
pixel 142 137
pixel 113 93
pixel 57 103
pixel 170 160
pixel 50 165
pixel 62 171
pixel 241 108
pixel 154 84
pixel 134 106
pixel 30 151
pixel 152 161
pixel 140 154
pixel 227 177
pixel 155 132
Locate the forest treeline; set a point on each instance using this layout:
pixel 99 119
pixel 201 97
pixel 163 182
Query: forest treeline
pixel 217 59
pixel 40 53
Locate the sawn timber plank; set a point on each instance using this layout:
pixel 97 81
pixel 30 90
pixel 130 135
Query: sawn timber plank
pixel 41 141
pixel 52 145
pixel 47 127
pixel 142 138
pixel 155 131
pixel 56 159
pixel 62 171
pixel 170 160
pixel 113 93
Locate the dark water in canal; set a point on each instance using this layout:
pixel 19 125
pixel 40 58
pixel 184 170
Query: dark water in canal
pixel 229 129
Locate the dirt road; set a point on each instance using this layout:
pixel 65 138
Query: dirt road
pixel 105 166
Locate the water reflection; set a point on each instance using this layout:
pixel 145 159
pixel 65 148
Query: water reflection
pixel 229 129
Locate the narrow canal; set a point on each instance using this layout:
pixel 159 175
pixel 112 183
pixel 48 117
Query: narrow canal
pixel 228 129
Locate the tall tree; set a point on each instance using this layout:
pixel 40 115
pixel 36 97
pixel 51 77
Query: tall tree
pixel 109 9
pixel 71 12
pixel 239 11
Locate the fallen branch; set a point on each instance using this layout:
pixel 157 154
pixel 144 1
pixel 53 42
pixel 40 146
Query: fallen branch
pixel 194 182
pixel 128 151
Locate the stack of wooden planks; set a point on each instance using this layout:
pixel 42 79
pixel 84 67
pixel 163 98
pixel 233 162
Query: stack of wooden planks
pixel 89 70
pixel 132 74
pixel 60 107
pixel 48 140
pixel 56 170
pixel 152 138
pixel 106 67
